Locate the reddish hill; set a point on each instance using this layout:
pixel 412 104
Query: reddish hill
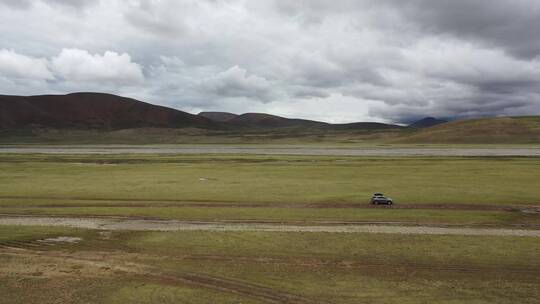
pixel 218 116
pixel 260 120
pixel 268 121
pixel 91 110
pixel 365 126
pixel 110 112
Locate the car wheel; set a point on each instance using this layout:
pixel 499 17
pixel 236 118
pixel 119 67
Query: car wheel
pixel 390 203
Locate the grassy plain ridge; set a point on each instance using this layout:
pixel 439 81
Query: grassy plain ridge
pixel 501 130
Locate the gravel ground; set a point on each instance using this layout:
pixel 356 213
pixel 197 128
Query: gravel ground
pixel 282 151
pixel 171 225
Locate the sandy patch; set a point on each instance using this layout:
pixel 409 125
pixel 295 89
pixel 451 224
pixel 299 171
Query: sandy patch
pixel 62 239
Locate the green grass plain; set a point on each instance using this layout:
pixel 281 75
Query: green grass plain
pixel 322 267
pixel 340 268
pixel 273 179
pixel 280 187
pixel 292 215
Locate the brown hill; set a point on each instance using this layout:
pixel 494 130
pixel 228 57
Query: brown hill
pixel 91 111
pixel 218 116
pixel 260 120
pixel 268 121
pixel 110 112
pixel 364 126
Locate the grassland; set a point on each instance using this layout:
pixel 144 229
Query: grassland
pixel 272 188
pixel 500 130
pixel 272 179
pixel 294 215
pixel 140 136
pixel 251 267
pixel 269 267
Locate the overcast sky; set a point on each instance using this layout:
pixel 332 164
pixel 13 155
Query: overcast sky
pixel 336 61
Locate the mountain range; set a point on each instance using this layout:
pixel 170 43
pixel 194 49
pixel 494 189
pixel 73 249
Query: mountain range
pixel 98 117
pixel 106 111
pixel 91 111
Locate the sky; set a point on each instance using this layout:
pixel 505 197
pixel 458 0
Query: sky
pixel 335 61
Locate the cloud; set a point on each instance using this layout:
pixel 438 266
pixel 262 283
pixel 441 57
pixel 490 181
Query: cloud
pixel 161 20
pixel 382 60
pixel 76 4
pixel 27 4
pixel 235 82
pixel 16 4
pixel 81 66
pixel 467 63
pixel 509 25
pixel 20 66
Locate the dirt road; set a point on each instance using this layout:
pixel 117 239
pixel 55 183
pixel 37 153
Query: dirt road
pixel 173 225
pixel 67 202
pixel 286 150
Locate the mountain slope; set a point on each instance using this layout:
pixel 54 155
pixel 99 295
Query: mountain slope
pixel 260 120
pixel 499 130
pixel 427 122
pixel 268 121
pixel 365 126
pixel 91 111
pixel 218 116
pixel 95 112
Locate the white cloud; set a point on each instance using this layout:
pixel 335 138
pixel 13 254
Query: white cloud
pixel 26 4
pixel 341 60
pixel 343 109
pixel 469 63
pixel 235 82
pixel 77 65
pixel 16 65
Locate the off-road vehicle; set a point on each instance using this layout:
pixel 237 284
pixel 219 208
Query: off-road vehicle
pixel 379 198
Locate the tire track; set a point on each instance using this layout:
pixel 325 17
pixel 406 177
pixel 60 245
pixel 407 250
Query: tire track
pixel 145 203
pixel 370 262
pixel 148 273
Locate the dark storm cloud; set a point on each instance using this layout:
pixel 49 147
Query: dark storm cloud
pixel 338 61
pixel 511 25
